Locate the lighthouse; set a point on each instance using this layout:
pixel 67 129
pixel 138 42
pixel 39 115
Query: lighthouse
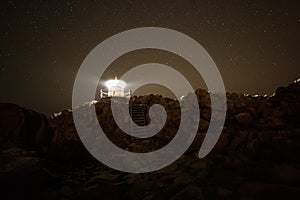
pixel 115 88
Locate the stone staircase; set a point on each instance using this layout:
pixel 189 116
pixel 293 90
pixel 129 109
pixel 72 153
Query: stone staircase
pixel 138 116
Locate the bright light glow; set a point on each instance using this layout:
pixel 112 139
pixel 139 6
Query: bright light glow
pixel 113 83
pixel 298 80
pixel 115 87
pixel 57 114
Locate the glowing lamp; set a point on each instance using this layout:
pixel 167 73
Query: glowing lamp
pixel 115 87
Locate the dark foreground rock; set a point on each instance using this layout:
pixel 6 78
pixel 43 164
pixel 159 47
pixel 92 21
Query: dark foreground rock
pixel 256 156
pixel 23 128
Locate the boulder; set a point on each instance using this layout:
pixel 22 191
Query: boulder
pixel 288 99
pixel 244 119
pixel 23 175
pixel 189 192
pixel 23 127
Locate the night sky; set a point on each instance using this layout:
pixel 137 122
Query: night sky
pixel 255 44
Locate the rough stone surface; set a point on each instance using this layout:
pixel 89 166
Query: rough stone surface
pixel 256 156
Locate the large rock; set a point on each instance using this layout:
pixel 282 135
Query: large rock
pixel 288 99
pixel 23 175
pixel 189 192
pixel 260 190
pixel 22 127
pixel 244 119
pixel 287 173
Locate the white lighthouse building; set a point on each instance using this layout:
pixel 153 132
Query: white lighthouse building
pixel 115 88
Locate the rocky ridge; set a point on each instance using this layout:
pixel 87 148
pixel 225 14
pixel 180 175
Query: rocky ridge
pixel 255 157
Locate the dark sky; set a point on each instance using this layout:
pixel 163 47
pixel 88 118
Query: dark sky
pixel 255 44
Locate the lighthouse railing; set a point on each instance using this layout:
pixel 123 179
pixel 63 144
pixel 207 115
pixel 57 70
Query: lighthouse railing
pixel 104 93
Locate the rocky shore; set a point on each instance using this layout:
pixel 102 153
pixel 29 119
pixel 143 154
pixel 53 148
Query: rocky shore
pixel 256 156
